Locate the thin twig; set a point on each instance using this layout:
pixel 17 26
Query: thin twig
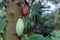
pixel 56 17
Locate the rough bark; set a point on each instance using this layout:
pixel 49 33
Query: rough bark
pixel 12 14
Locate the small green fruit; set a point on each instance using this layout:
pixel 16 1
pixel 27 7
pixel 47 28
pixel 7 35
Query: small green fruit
pixel 19 27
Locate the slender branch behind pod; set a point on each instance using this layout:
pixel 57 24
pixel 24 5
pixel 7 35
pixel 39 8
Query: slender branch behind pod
pixel 56 17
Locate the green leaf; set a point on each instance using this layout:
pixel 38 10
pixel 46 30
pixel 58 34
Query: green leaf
pixel 2 24
pixel 47 38
pixel 33 37
pixel 54 38
pixel 25 37
pixel 56 34
pixel 36 37
pixel 2 13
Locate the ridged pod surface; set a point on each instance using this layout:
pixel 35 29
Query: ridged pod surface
pixel 20 27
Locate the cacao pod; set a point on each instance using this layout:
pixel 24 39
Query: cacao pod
pixel 20 27
pixel 25 10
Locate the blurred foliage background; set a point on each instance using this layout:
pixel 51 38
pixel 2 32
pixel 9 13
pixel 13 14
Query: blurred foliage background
pixel 40 20
pixel 2 20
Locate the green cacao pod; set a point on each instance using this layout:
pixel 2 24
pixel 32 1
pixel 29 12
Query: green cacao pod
pixel 20 27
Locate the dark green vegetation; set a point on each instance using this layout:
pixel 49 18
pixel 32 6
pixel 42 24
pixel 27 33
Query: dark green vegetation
pixel 2 20
pixel 40 26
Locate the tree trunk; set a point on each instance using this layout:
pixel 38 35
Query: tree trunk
pixel 12 14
